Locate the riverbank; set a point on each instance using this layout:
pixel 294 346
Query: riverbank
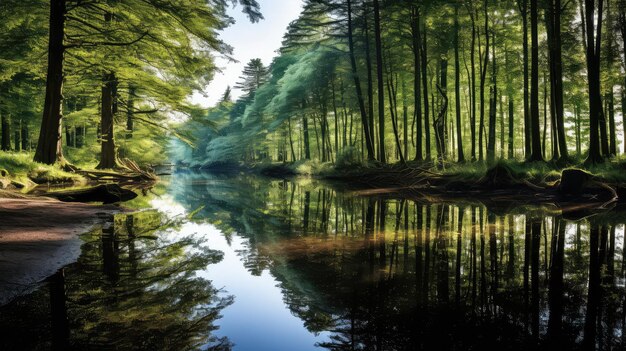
pixel 38 236
pixel 505 181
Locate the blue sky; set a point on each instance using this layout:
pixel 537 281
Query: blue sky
pixel 250 40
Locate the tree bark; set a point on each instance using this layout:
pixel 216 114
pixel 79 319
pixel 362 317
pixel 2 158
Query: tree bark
pixel 556 73
pixel 382 157
pixel 415 31
pixel 536 154
pixel 49 145
pixel 357 84
pixel 523 7
pixel 457 87
pixel 425 90
pixel 493 100
pixel 593 41
pixel 108 157
pixel 5 144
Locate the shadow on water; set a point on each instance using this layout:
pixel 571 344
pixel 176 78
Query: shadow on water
pixel 133 287
pixel 402 274
pixel 363 273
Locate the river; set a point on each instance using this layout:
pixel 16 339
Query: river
pixel 240 262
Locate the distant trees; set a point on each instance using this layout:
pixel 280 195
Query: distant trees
pixel 253 76
pixel 391 63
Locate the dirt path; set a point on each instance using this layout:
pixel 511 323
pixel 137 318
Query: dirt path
pixel 38 237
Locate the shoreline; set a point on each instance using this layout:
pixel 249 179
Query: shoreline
pixel 39 236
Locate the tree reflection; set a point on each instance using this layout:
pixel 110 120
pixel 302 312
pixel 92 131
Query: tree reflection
pixel 397 274
pixel 134 287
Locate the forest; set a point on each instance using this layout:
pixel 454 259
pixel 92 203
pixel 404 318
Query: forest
pixel 412 82
pixel 399 174
pixel 355 84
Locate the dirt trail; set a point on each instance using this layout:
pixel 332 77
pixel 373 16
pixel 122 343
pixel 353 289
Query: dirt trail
pixel 38 237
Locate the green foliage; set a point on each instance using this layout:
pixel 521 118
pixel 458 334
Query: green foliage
pixel 22 168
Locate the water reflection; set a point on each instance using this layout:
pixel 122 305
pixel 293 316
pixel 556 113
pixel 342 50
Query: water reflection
pixel 134 287
pixel 398 274
pixel 307 265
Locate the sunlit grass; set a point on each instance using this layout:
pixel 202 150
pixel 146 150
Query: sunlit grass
pixel 22 168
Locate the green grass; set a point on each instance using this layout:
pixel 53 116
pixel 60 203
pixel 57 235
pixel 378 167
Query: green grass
pixel 22 168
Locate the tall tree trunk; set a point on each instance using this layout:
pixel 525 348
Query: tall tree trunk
pixel 425 89
pixel 536 154
pixel 612 132
pixel 49 145
pixel 370 77
pixel 593 43
pixel 415 31
pixel 441 120
pixel 457 87
pixel 357 84
pixel 108 156
pixel 25 137
pixel 473 85
pixel 380 84
pixel 305 130
pixel 493 100
pixel 484 61
pixel 18 136
pixel 130 122
pixel 523 7
pixel 622 25
pixel 5 144
pixel 553 20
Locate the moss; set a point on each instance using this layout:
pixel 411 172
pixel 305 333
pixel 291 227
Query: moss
pixel 22 168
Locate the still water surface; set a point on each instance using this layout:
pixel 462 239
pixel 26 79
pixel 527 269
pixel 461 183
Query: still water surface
pixel 247 263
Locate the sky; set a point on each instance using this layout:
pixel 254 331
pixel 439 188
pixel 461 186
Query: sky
pixel 250 40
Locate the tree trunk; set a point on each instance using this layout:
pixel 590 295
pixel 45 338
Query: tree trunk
pixel 357 84
pixel 612 132
pixel 305 130
pixel 493 100
pixel 425 90
pixel 457 87
pixel 440 121
pixel 484 61
pixel 527 125
pixel 25 137
pixel 536 154
pixel 415 31
pixel 108 157
pixel 594 40
pixel 5 145
pixel 370 77
pixel 553 20
pixel 80 136
pixel 380 84
pixel 49 145
pixel 473 86
pixel 18 137
pixel 130 122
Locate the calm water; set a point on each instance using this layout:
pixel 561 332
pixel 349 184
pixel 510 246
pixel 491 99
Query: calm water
pixel 248 263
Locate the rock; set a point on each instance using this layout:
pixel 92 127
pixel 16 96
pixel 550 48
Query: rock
pixel 574 181
pixel 499 176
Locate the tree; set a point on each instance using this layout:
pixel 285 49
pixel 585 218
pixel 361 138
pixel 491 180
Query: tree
pixel 253 76
pixel 536 153
pixel 593 11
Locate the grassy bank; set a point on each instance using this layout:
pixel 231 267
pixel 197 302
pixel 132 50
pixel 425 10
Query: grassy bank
pixel 20 171
pixel 376 174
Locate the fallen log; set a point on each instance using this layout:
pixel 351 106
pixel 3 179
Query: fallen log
pixel 106 193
